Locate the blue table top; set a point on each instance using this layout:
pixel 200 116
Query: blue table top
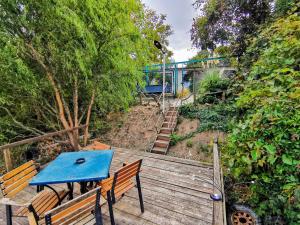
pixel 64 169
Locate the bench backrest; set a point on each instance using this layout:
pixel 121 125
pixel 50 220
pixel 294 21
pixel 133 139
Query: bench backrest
pixel 77 209
pixel 97 146
pixel 122 180
pixel 17 179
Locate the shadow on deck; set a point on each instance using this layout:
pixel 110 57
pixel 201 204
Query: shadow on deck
pixel 172 190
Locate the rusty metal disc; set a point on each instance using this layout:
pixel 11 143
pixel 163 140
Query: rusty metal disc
pixel 242 218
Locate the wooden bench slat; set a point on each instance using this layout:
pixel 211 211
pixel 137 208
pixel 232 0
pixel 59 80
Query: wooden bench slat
pixel 43 202
pixel 77 215
pixel 17 190
pixel 17 170
pixel 23 211
pixel 97 146
pixel 128 167
pixel 74 207
pixel 19 182
pixel 19 176
pixel 51 202
pixel 120 191
pixel 74 210
pixel 125 177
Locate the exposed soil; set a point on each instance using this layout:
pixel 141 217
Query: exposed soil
pixel 134 129
pixel 198 147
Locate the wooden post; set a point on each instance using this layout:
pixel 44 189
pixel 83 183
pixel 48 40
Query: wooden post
pixel 194 85
pixel 8 159
pixel 217 205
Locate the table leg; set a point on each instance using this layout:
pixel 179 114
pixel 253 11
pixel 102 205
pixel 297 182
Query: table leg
pixel 70 187
pixel 83 187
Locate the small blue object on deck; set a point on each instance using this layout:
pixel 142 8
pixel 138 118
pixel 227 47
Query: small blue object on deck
pixel 64 169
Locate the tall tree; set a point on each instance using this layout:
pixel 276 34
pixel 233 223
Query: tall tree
pixel 154 27
pixel 59 58
pixel 227 22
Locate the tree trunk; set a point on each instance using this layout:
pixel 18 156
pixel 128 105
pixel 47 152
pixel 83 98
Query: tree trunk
pixel 75 105
pixel 86 133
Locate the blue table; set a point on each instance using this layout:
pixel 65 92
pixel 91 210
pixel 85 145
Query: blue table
pixel 64 169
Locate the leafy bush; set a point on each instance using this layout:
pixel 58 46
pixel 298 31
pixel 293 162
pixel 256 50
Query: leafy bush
pixel 175 139
pixel 211 99
pixel 215 117
pixel 203 148
pixel 264 145
pixel 212 82
pixel 189 143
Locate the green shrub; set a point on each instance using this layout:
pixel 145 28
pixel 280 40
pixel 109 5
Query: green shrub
pixel 212 82
pixel 211 99
pixel 175 139
pixel 202 148
pixel 189 143
pixel 215 117
pixel 264 145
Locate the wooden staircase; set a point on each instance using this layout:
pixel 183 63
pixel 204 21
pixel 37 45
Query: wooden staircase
pixel 162 141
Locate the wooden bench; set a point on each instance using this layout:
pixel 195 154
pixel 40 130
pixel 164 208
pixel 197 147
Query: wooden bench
pixel 14 182
pixel 96 145
pixel 83 210
pixel 115 187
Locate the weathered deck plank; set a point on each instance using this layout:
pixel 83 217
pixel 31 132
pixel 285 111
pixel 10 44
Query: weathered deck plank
pixel 172 194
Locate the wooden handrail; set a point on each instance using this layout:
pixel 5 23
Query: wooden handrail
pixel 219 213
pixel 39 138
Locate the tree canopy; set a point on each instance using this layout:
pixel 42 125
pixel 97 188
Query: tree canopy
pixel 61 58
pixel 232 23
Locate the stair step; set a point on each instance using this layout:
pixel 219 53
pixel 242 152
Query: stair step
pixel 169 112
pixel 168 118
pixel 163 137
pixel 166 124
pixel 161 143
pixel 166 130
pixel 158 150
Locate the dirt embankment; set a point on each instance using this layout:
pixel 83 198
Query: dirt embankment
pixel 134 129
pixel 197 147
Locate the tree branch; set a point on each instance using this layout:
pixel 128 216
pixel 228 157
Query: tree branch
pixel 86 132
pixel 21 125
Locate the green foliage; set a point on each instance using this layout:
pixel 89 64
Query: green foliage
pixel 89 47
pixel 155 28
pixel 211 87
pixel 264 144
pixel 175 139
pixel 215 117
pixel 189 143
pixel 203 148
pixel 212 82
pixel 283 6
pixel 228 22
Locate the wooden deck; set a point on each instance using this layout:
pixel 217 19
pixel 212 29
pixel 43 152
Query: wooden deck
pixel 173 190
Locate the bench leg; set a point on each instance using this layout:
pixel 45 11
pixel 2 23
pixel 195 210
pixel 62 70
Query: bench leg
pixel 98 213
pixel 8 215
pixel 111 212
pixel 140 192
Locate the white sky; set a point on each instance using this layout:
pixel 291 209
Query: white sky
pixel 180 14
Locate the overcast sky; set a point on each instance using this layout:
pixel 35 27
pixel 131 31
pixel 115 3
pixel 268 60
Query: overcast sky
pixel 180 14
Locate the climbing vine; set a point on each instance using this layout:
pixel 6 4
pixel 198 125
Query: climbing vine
pixel 264 144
